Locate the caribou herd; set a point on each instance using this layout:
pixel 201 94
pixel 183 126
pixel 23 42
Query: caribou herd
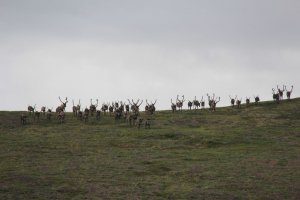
pixel 130 110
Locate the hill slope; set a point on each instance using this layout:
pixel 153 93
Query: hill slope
pixel 251 153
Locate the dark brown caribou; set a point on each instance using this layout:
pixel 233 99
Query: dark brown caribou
pixel 256 99
pixel 196 103
pixel 135 106
pixel 232 100
pixel 190 104
pixel 202 102
pixel 288 92
pixel 43 110
pixel 276 95
pixel 31 109
pixel 247 101
pixel 150 108
pixel 239 103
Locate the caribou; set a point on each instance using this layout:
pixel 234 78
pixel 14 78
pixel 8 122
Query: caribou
pixel 196 103
pixel 280 92
pixel 276 96
pixel 31 109
pixel 202 102
pixel 232 100
pixel 23 119
pixel 239 102
pixel 213 102
pixel 63 106
pixel 104 108
pixel 93 107
pixel 173 106
pixel 43 110
pixel 76 108
pixel 150 108
pixel 135 106
pixel 179 103
pixel 190 104
pixel 256 99
pixel 247 101
pixel 288 92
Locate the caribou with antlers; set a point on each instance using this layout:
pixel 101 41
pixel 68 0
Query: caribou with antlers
pixel 135 106
pixel 63 105
pixel 76 108
pixel 288 92
pixel 93 107
pixel 239 103
pixel 179 103
pixel 256 99
pixel 247 101
pixel 276 96
pixel 280 92
pixel 150 108
pixel 232 100
pixel 213 102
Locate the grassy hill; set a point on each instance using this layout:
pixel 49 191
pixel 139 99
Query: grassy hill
pixel 251 153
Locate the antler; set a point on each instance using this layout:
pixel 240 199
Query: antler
pixel 129 101
pixel 140 103
pixel 154 102
pixel 147 102
pixel 60 99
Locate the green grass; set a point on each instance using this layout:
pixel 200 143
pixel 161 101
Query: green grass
pixel 252 153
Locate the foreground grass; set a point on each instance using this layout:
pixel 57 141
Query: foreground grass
pixel 252 153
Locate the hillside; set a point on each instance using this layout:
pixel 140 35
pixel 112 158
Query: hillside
pixel 251 153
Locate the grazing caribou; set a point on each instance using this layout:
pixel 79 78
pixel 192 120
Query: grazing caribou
pixel 61 117
pixel 31 109
pixel 288 92
pixel 23 118
pixel 43 110
pixel 179 103
pixel 49 114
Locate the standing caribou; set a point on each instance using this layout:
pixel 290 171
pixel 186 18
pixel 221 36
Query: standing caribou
pixel 239 102
pixel 213 102
pixel 135 106
pixel 280 92
pixel 232 100
pixel 179 103
pixel 190 104
pixel 93 107
pixel 150 108
pixel 276 96
pixel 196 103
pixel 288 92
pixel 173 106
pixel 202 102
pixel 76 108
pixel 247 101
pixel 256 99
pixel 63 105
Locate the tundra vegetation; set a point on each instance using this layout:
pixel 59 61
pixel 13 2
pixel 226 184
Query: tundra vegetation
pixel 247 153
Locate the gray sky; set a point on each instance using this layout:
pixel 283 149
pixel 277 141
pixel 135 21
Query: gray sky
pixel 114 50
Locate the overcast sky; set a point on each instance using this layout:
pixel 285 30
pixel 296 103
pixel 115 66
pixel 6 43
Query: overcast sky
pixel 114 50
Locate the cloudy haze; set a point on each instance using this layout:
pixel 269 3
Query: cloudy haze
pixel 114 50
